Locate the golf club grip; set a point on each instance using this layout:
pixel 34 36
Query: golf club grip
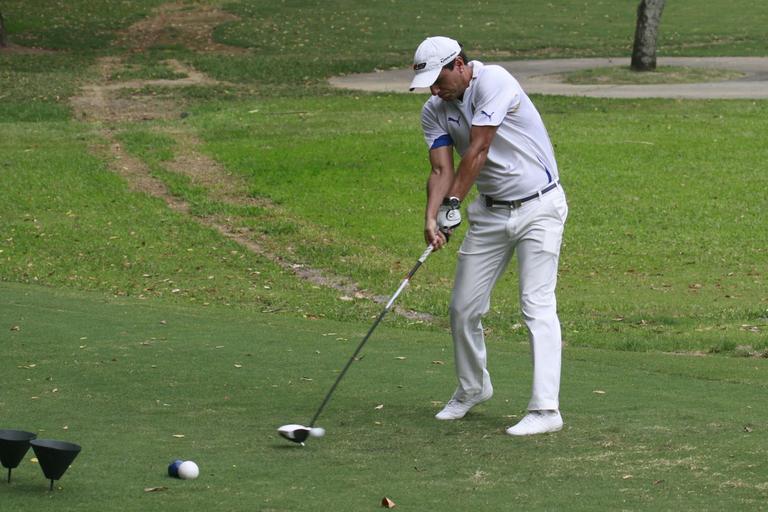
pixel 391 301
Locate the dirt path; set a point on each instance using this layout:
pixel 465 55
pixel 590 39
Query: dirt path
pixel 110 105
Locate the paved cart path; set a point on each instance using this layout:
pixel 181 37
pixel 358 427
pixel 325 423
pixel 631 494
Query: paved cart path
pixel 541 77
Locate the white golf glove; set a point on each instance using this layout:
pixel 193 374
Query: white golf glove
pixel 449 215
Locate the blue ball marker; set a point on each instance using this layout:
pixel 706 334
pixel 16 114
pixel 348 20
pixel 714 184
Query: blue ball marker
pixel 173 468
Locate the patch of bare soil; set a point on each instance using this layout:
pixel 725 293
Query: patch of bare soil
pixel 177 23
pixel 15 49
pixel 108 103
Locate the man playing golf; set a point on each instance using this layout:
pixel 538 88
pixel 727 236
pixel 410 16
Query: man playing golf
pixel 482 112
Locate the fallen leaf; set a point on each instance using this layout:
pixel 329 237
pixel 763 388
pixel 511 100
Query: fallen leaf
pixel 626 477
pixel 657 482
pixel 438 362
pixel 179 436
pixel 379 407
pixel 747 428
pixel 599 392
pixel 387 503
pixel 237 365
pixel 15 328
pixel 155 489
pixel 400 358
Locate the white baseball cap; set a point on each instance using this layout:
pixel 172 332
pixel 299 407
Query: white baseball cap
pixel 431 55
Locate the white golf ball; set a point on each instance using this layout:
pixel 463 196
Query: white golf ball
pixel 317 432
pixel 188 470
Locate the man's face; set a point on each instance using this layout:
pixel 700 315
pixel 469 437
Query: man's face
pixel 450 83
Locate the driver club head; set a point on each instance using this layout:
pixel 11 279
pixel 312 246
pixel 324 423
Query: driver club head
pixel 295 433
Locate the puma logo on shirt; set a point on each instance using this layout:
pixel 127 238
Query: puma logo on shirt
pixel 486 114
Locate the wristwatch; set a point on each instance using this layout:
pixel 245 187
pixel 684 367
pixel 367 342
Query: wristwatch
pixel 453 201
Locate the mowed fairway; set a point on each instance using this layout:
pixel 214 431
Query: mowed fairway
pixel 196 231
pixel 139 386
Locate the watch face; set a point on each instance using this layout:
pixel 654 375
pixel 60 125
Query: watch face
pixel 454 202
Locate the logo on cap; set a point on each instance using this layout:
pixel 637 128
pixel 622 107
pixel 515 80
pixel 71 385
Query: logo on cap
pixel 417 67
pixel 444 60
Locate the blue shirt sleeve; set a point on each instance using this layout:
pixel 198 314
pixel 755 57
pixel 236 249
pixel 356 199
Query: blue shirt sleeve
pixel 443 140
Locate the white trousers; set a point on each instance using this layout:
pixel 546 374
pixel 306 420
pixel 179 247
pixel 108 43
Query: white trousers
pixel 535 232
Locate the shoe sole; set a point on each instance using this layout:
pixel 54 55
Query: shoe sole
pixel 550 431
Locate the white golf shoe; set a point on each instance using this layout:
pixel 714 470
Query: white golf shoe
pixel 537 422
pixel 456 409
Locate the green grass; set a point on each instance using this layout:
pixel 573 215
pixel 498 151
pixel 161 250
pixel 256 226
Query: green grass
pixel 122 378
pixel 662 75
pixel 36 88
pixel 79 25
pixel 652 239
pixel 124 323
pixel 661 261
pixel 92 233
pixel 296 46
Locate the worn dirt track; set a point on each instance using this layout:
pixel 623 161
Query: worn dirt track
pixel 109 105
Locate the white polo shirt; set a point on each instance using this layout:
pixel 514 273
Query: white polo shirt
pixel 521 160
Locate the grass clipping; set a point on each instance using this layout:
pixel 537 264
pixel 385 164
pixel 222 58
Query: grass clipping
pixel 623 75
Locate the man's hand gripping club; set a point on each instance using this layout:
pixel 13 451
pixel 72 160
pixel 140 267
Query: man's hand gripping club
pixel 448 218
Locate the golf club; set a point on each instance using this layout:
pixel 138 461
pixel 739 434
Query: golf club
pixel 300 433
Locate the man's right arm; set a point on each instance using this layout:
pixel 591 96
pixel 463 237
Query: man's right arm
pixel 439 183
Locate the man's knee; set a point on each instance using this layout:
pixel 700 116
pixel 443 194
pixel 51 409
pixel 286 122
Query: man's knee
pixel 538 307
pixel 463 313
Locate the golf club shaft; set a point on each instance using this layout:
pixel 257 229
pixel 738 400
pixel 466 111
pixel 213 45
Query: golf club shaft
pixel 389 305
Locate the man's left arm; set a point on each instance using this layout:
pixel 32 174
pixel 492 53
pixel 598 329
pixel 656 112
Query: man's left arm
pixel 480 138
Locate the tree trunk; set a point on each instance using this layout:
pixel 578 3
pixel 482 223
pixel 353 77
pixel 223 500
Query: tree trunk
pixel 3 41
pixel 646 34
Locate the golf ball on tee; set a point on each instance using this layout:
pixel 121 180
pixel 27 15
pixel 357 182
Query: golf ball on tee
pixel 317 432
pixel 188 470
